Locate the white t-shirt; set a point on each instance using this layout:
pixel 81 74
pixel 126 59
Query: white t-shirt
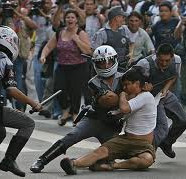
pixel 132 36
pixel 142 120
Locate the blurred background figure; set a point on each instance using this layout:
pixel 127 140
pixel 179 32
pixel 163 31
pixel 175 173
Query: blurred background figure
pixel 17 18
pixel 71 74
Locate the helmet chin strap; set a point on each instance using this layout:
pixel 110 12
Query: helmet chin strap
pixel 105 73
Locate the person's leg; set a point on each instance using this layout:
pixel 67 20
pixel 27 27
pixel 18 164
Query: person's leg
pixel 74 76
pixel 85 128
pixel 25 126
pixel 161 129
pixel 77 79
pixel 47 110
pixel 175 112
pixel 91 158
pixel 61 83
pixel 56 111
pixel 18 68
pixel 29 81
pixel 139 154
pixel 142 161
pixel 2 133
pixel 39 82
pixel 69 166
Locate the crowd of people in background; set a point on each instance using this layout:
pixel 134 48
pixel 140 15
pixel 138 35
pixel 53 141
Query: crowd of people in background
pixel 135 33
pixel 142 26
pixel 57 40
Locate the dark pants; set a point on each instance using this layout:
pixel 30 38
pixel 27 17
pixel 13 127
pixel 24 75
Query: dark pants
pixel 170 107
pixel 89 128
pixel 17 120
pixel 71 79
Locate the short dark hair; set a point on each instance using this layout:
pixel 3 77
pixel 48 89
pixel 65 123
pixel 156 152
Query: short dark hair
pixel 94 1
pixel 165 49
pixel 69 11
pixel 135 74
pixel 167 4
pixel 135 14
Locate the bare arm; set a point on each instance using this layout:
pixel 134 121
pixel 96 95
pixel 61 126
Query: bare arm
pixel 56 20
pixel 48 48
pixel 18 95
pixel 130 55
pixel 82 15
pixel 123 103
pixel 110 99
pixel 28 21
pixel 168 86
pixel 178 30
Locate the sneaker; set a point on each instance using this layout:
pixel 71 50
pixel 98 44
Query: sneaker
pixel 167 150
pixel 67 165
pixel 45 113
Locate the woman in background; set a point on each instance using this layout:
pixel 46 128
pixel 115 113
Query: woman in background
pixel 71 74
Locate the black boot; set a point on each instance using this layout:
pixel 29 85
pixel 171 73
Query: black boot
pixel 167 150
pixel 53 152
pixel 8 163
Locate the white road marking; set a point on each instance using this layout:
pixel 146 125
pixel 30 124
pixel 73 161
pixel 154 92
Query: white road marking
pixel 4 146
pixel 52 138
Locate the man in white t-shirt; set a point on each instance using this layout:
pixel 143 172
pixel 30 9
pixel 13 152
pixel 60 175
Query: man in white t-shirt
pixel 135 146
pixel 141 43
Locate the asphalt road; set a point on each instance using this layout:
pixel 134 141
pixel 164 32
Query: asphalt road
pixel 47 132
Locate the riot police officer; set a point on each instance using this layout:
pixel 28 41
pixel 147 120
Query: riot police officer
pixel 9 43
pixel 105 87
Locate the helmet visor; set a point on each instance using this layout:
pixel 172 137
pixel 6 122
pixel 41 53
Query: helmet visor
pixel 105 63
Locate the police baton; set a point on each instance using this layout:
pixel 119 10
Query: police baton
pixel 46 100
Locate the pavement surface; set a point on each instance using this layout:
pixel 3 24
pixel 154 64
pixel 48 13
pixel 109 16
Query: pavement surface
pixel 47 132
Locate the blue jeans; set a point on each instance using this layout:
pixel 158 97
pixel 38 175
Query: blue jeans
pixel 170 107
pixel 20 72
pixel 39 82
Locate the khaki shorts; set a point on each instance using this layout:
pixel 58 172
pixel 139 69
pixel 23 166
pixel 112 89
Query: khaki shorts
pixel 124 147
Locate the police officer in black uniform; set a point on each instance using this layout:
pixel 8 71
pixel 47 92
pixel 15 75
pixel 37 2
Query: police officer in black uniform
pixel 9 43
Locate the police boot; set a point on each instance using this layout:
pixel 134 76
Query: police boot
pixel 14 148
pixel 53 152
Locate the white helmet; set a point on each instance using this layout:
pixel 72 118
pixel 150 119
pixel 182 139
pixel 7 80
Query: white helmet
pixel 105 53
pixel 10 40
